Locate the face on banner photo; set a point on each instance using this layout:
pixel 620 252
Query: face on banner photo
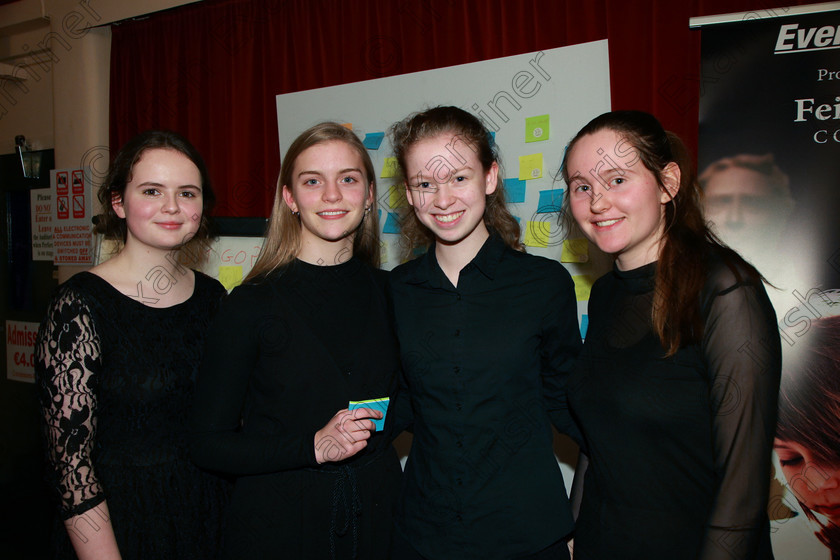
pixel 769 141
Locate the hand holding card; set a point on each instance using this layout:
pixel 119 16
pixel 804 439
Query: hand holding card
pixel 380 404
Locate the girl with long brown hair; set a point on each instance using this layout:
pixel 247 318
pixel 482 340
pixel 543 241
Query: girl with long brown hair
pixel 676 387
pixel 487 335
pixel 307 333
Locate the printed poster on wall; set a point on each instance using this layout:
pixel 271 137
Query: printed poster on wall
pixel 769 167
pixel 42 224
pixel 72 228
pixel 20 350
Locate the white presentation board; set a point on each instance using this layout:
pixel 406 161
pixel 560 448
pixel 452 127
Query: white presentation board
pixel 533 103
pixel 569 84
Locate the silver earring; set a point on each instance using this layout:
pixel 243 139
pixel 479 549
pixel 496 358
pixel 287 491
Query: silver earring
pixel 295 213
pixel 367 209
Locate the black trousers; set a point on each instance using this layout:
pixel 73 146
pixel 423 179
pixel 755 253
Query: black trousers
pixel 402 550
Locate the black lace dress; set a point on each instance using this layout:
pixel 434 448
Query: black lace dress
pixel 116 381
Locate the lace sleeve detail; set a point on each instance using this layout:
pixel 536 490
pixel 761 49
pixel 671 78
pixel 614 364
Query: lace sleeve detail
pixel 67 365
pixel 743 353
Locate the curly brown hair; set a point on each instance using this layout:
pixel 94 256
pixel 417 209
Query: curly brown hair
pixel 456 121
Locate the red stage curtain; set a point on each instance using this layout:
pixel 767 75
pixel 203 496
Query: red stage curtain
pixel 211 70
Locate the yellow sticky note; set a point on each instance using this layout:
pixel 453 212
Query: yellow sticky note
pixel 389 167
pixel 583 285
pixel 575 251
pixel 536 128
pixel 537 234
pixel 530 167
pixel 230 276
pixel 396 197
pixel 383 252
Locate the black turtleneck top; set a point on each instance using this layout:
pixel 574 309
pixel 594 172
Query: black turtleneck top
pixel 679 447
pixel 284 355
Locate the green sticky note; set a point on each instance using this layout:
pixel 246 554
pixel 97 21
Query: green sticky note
pixel 536 128
pixel 575 251
pixel 537 234
pixel 583 285
pixel 396 197
pixel 389 167
pixel 383 253
pixel 530 167
pixel 230 276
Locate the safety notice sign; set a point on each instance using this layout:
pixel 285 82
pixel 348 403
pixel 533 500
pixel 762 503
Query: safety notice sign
pixel 72 225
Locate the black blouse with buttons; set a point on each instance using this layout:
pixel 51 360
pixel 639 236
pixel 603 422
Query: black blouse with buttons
pixel 485 366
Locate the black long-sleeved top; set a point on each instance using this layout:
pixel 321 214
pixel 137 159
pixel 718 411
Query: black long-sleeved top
pixel 116 381
pixel 679 447
pixel 486 366
pixel 283 356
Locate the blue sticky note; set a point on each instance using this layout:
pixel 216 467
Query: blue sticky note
pixel 373 140
pixel 491 137
pixel 518 219
pixel 391 224
pixel 584 325
pixel 515 189
pixel 550 201
pixel 375 404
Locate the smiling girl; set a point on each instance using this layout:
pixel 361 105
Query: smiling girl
pixel 487 335
pixel 116 363
pixel 306 333
pixel 676 387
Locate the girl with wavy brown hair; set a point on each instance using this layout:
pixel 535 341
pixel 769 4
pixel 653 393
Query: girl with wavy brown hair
pixel 487 335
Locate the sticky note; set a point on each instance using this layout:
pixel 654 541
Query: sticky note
pixel 575 251
pixel 396 197
pixel 584 325
pixel 515 190
pixel 230 276
pixel 375 404
pixel 550 201
pixel 530 166
pixel 347 125
pixel 392 225
pixel 536 128
pixel 389 167
pixel 537 234
pixel 373 140
pixel 583 285
pixel 383 252
pixel 491 138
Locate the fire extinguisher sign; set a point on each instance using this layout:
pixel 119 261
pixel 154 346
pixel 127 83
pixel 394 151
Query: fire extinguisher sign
pixel 72 225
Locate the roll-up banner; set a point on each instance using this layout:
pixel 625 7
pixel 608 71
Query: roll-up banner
pixel 769 163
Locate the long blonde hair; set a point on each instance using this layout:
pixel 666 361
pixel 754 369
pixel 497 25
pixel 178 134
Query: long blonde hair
pixel 282 236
